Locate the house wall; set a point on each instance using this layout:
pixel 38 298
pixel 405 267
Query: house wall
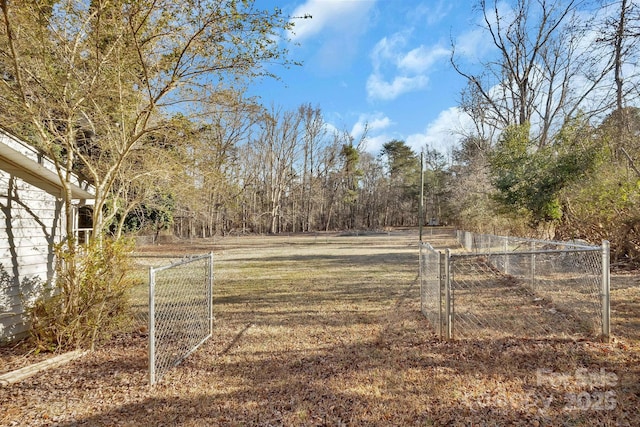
pixel 31 221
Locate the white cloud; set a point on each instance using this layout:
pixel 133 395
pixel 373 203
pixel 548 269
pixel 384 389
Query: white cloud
pixel 387 50
pixel 377 124
pixel 431 12
pixel 374 122
pixel 334 15
pixel 333 33
pixel 397 71
pixel 422 58
pixel 437 12
pixel 379 121
pixel 374 143
pixel 443 133
pixel 378 88
pixel 472 44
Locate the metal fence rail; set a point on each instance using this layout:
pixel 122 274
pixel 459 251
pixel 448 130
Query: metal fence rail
pixel 180 312
pixel 506 286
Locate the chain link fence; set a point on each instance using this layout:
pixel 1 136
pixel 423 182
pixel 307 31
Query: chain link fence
pixel 173 305
pixel 431 296
pixel 505 286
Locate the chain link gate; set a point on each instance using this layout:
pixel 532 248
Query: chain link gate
pixel 180 312
pixel 505 286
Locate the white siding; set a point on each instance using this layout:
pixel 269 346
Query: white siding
pixel 26 150
pixel 31 222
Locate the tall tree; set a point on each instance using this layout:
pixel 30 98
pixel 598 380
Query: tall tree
pixel 403 169
pixel 93 82
pixel 372 191
pixel 531 81
pixel 313 134
pixel 212 152
pixel 350 175
pixel 621 37
pixel 437 184
pixel 276 149
pixel 470 185
pixel 341 181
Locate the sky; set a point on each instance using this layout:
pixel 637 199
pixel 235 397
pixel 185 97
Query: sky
pixel 384 63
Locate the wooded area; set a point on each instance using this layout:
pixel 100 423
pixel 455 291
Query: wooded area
pixel 147 100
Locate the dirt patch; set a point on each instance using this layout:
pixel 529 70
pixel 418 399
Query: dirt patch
pixel 18 355
pixel 327 330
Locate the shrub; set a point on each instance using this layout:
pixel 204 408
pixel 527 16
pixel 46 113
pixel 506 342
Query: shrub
pixel 88 301
pixel 606 207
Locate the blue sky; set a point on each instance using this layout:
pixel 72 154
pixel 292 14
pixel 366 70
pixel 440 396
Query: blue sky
pixel 381 62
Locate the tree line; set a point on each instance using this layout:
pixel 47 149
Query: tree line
pixel 286 171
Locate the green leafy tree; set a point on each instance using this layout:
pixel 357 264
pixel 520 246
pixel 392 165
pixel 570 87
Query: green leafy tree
pixel 437 186
pixel 529 179
pixel 403 169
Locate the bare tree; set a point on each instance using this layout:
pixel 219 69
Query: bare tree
pixel 621 39
pixel 542 61
pixel 314 134
pixel 212 158
pixel 625 40
pixel 373 192
pixel 275 150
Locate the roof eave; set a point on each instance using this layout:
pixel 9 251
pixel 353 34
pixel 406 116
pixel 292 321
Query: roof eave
pixel 37 175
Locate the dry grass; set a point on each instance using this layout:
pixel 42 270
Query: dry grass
pixel 326 330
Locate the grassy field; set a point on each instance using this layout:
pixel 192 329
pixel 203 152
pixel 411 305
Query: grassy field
pixel 326 330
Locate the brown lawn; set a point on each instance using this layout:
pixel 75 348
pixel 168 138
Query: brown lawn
pixel 325 329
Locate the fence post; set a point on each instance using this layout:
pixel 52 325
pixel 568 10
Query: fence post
pixel 506 257
pixel 152 326
pixel 448 296
pixel 532 247
pixel 606 283
pixel 439 269
pixel 421 266
pixel 210 293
